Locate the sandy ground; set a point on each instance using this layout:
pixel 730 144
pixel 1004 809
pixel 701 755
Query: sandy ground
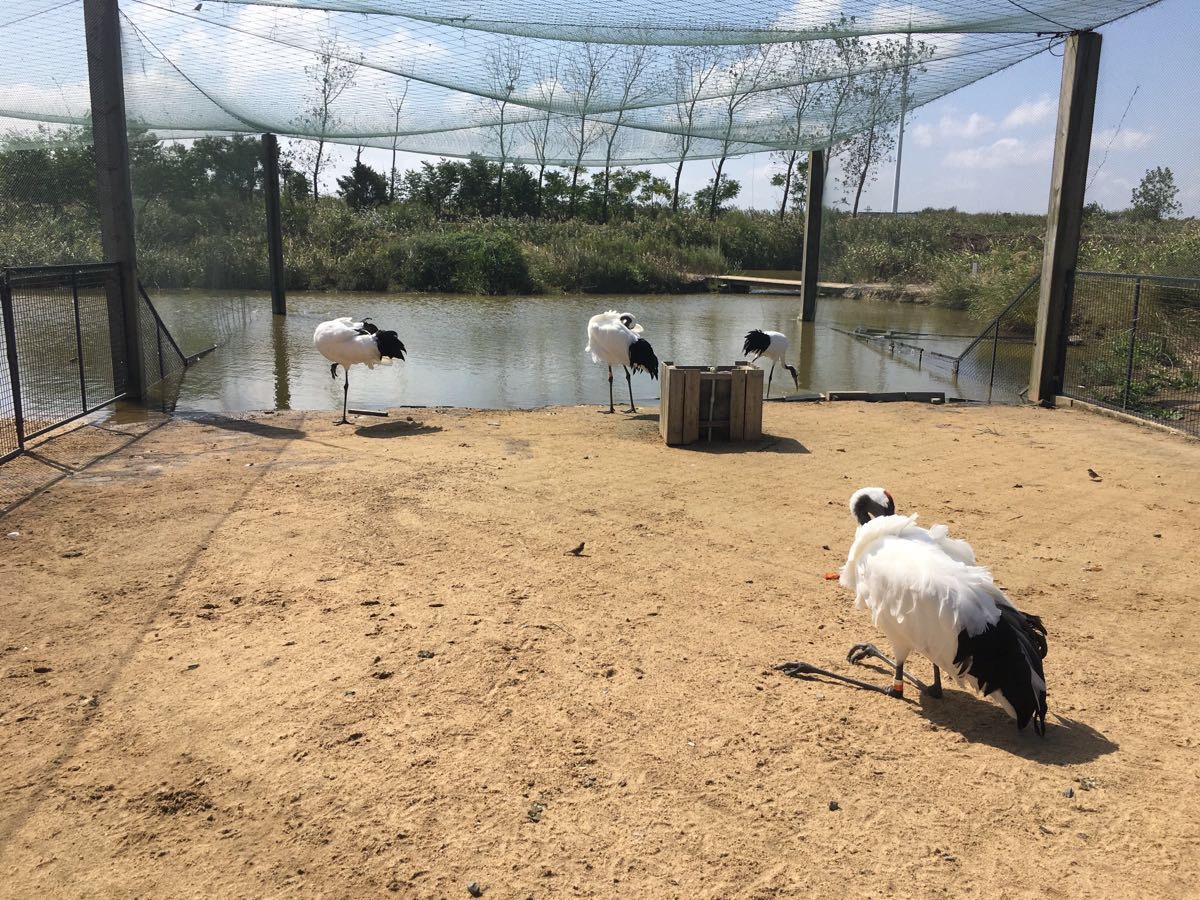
pixel 268 656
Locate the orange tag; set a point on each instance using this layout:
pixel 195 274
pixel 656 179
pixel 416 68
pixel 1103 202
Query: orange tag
pixel 832 576
pixel 898 687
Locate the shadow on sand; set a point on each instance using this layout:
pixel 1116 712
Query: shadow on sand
pixel 247 426
pixel 1067 741
pixel 399 428
pixel 766 444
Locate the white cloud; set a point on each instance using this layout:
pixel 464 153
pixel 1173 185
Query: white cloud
pixel 1125 139
pixel 1031 112
pixel 952 127
pixel 1002 154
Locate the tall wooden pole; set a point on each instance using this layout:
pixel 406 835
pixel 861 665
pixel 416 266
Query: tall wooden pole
pixel 1072 142
pixel 810 262
pixel 274 223
pixel 110 139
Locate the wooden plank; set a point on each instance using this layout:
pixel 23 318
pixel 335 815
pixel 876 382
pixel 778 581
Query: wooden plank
pixel 750 279
pixel 737 405
pixel 810 261
pixel 691 406
pixel 675 422
pixel 752 427
pixel 664 397
pixel 1064 218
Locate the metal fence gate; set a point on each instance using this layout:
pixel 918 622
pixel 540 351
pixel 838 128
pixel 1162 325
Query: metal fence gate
pixel 63 348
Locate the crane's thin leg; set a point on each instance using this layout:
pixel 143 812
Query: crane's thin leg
pixel 611 408
pixel 859 652
pixel 936 690
pixel 629 381
pixel 769 377
pixel 345 397
pixel 801 669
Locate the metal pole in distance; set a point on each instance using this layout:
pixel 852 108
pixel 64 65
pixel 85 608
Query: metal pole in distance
pixel 810 262
pixel 903 115
pixel 1137 299
pixel 10 348
pixel 274 223
pixel 79 341
pixel 1064 218
pixel 103 31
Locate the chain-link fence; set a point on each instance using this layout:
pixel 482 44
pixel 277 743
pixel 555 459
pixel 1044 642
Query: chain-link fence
pixel 1135 346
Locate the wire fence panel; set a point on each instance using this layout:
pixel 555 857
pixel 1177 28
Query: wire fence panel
pixel 161 357
pixel 62 353
pixel 63 320
pixel 1001 356
pixel 1135 346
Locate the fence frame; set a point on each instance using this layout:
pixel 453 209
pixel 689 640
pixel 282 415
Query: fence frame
pixel 67 277
pixel 7 277
pixel 1138 281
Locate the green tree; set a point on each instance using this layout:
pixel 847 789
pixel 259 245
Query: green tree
pixel 363 188
pixel 1156 197
pixel 705 201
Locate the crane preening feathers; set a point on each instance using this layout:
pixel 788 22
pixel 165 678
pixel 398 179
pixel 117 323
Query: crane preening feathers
pixel 614 340
pixel 772 345
pixel 346 343
pixel 926 593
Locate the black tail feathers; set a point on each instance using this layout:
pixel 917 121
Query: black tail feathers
pixel 1007 657
pixel 756 342
pixel 389 344
pixel 641 356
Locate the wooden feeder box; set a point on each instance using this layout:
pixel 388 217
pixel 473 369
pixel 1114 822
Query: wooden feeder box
pixel 713 403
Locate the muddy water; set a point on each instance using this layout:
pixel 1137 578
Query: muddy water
pixel 511 352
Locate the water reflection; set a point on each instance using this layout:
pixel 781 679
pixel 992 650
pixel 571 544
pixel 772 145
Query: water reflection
pixel 283 392
pixel 523 351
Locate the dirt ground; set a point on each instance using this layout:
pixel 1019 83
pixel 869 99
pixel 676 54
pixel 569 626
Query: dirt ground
pixel 266 656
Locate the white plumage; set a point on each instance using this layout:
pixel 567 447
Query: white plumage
pixel 614 340
pixel 925 592
pixel 345 342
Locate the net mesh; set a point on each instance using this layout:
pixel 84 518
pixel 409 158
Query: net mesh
pixel 533 81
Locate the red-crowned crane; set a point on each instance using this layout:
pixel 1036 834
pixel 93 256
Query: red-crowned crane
pixel 925 592
pixel 772 345
pixel 346 343
pixel 613 340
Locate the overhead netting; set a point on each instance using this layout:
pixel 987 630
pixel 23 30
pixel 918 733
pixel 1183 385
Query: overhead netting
pixel 535 81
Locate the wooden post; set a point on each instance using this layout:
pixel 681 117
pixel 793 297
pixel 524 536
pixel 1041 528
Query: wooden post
pixel 274 223
pixel 1076 103
pixel 810 262
pixel 114 186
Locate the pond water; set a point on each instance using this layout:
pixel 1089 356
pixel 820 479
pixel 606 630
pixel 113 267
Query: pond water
pixel 517 352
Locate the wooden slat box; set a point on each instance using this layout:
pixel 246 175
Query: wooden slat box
pixel 717 403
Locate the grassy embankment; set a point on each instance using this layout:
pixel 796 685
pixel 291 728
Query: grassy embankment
pixel 330 246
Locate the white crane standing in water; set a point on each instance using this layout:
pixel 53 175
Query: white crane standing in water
pixel 346 343
pixel 613 339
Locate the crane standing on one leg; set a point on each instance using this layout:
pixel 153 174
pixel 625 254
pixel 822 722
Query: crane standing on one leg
pixel 345 343
pixel 613 339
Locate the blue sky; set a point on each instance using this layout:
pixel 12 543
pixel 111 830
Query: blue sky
pixel 987 147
